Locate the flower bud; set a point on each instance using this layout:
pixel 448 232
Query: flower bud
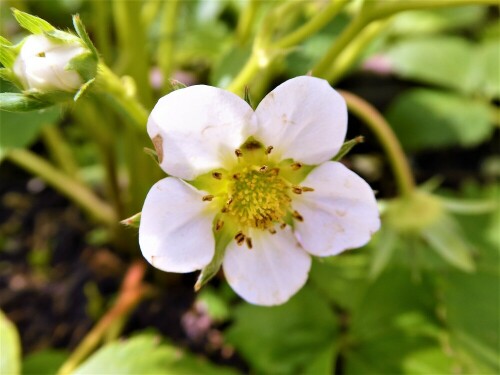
pixel 47 64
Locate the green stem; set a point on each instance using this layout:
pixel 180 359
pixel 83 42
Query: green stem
pixel 350 54
pixel 258 60
pixel 97 125
pixel 315 24
pixel 245 21
pixel 166 47
pixel 115 90
pixel 245 75
pixel 133 46
pixel 388 140
pixel 373 10
pixel 382 9
pixel 102 19
pixel 349 33
pixel 59 150
pixel 73 190
pixel 131 292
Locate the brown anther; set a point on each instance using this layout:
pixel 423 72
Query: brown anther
pixel 219 225
pixel 297 216
pixel 249 242
pixel 207 198
pixel 236 176
pixel 274 171
pixel 263 169
pixel 283 225
pixel 272 230
pixel 224 209
pixel 296 166
pixel 240 238
pixel 238 153
pixel 297 189
pixel 217 175
pixel 306 189
pixel 269 149
pixel 229 201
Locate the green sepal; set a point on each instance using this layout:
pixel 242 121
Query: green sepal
pixel 347 146
pixel 222 239
pixel 61 37
pixel 133 221
pixel 8 75
pixel 176 85
pixel 152 153
pixel 52 97
pixel 83 89
pixel 85 65
pixel 247 96
pixel 15 102
pixel 8 53
pixel 82 33
pixel 446 239
pixel 33 24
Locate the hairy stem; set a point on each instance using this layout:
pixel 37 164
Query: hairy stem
pixel 388 140
pixel 167 42
pixel 59 150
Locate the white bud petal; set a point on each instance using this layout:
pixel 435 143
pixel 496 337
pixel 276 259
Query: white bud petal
pixel 41 64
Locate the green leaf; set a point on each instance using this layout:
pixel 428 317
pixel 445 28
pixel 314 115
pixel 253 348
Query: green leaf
pixel 445 238
pixel 285 339
pixel 394 321
pixel 421 22
pixel 434 61
pixel 425 119
pixel 333 276
pixel 10 347
pixel 18 130
pixel 46 362
pixel 33 24
pixel 146 354
pixel 486 74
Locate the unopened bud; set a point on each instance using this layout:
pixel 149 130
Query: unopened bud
pixel 48 64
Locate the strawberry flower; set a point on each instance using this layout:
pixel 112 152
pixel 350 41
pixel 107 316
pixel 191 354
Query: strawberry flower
pixel 254 191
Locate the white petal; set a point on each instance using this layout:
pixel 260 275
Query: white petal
pixel 271 272
pixel 303 119
pixel 200 127
pixel 341 213
pixel 175 233
pixel 48 72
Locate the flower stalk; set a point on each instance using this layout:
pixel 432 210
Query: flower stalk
pixel 388 140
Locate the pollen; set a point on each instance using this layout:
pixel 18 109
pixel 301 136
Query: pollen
pixel 259 198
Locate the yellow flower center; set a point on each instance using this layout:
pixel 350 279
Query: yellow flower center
pixel 255 192
pixel 258 198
